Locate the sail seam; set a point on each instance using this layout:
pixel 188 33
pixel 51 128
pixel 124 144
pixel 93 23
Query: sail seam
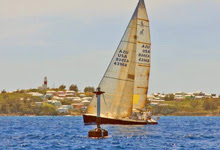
pixel 118 79
pixel 144 43
pixel 143 19
pixel 142 25
pixel 130 42
pixel 141 63
pixel 132 27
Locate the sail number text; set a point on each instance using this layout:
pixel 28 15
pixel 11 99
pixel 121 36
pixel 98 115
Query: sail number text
pixel 122 58
pixel 144 56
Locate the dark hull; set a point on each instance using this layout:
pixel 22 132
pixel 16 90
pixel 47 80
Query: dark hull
pixel 88 120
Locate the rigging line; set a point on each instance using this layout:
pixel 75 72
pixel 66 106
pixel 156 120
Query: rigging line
pixel 118 79
pixel 104 98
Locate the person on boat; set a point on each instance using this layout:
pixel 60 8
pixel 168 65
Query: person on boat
pixel 148 115
pixel 144 116
pixel 134 116
pixel 139 116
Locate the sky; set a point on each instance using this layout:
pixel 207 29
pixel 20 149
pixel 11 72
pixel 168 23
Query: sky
pixel 73 41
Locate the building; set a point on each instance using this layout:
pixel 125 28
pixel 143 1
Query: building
pixel 61 94
pixel 70 93
pixel 85 102
pixel 54 102
pixel 52 93
pixel 44 85
pixel 62 110
pixel 77 105
pixel 36 94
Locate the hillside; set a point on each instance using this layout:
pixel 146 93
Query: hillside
pixel 200 107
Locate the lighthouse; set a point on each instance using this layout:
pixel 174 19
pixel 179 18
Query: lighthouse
pixel 45 83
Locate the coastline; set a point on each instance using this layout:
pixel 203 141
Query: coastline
pixel 160 115
pixel 16 115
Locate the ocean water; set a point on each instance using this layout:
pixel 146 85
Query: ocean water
pixel 35 133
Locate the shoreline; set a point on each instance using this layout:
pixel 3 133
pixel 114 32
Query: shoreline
pixel 7 115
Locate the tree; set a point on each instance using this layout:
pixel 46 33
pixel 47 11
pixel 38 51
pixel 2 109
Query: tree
pixel 210 105
pixel 89 89
pixel 73 87
pixel 66 102
pixel 169 97
pixel 62 87
pixel 3 91
pixel 194 103
pixel 48 109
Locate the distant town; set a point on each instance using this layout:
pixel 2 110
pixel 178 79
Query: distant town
pixel 156 98
pixel 69 101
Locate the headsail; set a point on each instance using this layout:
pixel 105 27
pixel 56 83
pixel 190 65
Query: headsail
pixel 125 72
pixel 143 54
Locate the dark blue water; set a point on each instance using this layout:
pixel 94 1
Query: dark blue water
pixel 69 133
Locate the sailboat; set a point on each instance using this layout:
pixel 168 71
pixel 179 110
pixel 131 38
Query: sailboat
pixel 126 79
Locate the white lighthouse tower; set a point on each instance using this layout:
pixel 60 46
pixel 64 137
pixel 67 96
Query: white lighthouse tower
pixel 45 84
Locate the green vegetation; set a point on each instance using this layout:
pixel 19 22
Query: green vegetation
pixel 3 91
pixel 62 87
pixel 194 103
pixel 201 107
pixel 169 97
pixel 48 109
pixel 31 90
pixel 66 102
pixel 21 103
pixel 89 89
pixel 210 104
pixel 73 87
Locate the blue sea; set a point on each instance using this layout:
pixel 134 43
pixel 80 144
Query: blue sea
pixel 35 133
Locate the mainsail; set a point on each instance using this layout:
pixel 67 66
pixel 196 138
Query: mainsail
pixel 126 80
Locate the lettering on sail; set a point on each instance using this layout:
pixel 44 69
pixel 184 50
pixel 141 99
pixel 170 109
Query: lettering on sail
pixel 122 58
pixel 144 55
